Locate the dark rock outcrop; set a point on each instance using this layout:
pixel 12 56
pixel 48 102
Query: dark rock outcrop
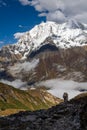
pixel 66 116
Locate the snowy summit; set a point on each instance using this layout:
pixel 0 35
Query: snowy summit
pixel 66 35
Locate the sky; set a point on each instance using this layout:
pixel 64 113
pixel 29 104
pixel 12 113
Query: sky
pixel 23 15
pixel 14 17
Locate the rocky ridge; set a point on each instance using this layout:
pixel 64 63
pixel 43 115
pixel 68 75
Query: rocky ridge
pixel 71 115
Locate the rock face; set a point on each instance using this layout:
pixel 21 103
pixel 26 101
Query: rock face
pixel 47 63
pixel 66 116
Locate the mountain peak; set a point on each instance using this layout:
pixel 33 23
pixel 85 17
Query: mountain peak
pixel 66 35
pixel 70 32
pixel 74 24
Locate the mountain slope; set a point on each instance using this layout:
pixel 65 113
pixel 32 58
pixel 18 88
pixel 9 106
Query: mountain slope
pixel 66 116
pixel 47 64
pixel 15 99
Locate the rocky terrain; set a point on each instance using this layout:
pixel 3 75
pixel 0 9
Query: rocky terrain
pixel 63 63
pixel 71 115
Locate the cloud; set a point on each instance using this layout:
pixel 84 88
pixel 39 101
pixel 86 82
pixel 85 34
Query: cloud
pixel 81 17
pixel 18 35
pixel 20 26
pixel 16 83
pixel 59 10
pixel 1 42
pixel 23 26
pixel 24 67
pixel 24 2
pixel 2 3
pixel 57 87
pixel 56 16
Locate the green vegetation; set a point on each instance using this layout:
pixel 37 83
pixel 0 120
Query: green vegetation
pixel 12 98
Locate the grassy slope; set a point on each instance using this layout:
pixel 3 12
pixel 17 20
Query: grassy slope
pixel 15 99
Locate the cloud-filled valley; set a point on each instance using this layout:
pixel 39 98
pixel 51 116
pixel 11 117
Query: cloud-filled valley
pixel 54 86
pixel 58 86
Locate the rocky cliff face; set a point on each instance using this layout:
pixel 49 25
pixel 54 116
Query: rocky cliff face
pixel 47 64
pixel 66 116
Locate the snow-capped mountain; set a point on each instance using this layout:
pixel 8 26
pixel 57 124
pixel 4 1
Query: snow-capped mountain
pixel 66 35
pixel 47 52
